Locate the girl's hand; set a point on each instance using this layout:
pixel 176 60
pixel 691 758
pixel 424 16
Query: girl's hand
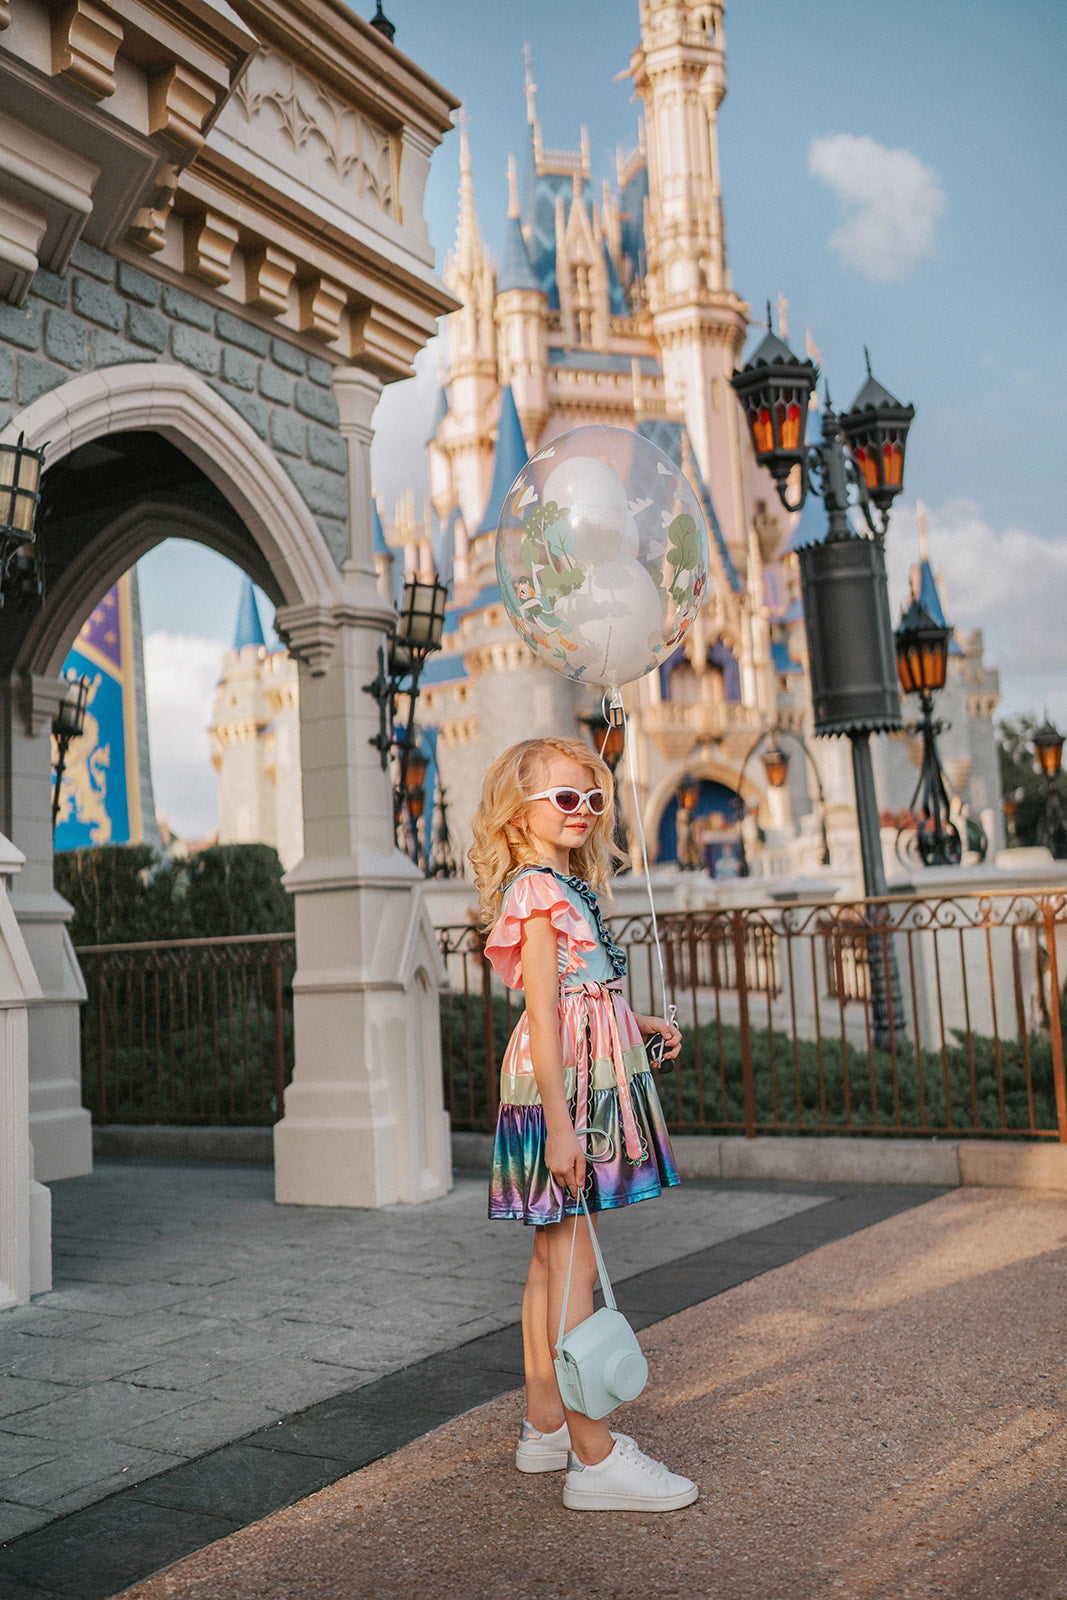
pixel 671 1034
pixel 566 1160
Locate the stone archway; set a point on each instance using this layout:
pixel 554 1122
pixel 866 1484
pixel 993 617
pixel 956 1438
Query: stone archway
pixel 365 1020
pixel 281 539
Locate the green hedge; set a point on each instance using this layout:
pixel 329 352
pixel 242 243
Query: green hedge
pixel 712 1097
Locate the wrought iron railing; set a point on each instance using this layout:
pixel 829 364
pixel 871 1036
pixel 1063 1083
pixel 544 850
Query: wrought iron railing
pixel 776 1010
pixel 775 1004
pixel 188 1030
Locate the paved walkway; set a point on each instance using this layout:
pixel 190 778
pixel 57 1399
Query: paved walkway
pixel 881 1419
pixel 207 1356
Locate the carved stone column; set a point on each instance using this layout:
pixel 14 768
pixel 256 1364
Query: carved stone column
pixel 364 1122
pixel 25 1206
pixel 60 1127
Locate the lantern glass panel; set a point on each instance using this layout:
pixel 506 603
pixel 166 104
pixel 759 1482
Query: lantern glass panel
pixel 1048 748
pixel 759 421
pixel 776 765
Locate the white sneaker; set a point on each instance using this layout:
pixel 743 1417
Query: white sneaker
pixel 626 1480
pixel 542 1452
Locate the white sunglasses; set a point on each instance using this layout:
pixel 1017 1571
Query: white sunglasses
pixel 571 800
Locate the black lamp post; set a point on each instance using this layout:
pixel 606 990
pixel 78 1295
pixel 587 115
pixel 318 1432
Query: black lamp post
pixel 20 493
pixel 1048 748
pixel 68 724
pixel 922 665
pixel 419 627
pixel 843 579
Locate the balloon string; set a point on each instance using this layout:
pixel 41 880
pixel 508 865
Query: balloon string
pixel 615 705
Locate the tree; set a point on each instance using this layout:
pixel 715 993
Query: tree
pixel 125 894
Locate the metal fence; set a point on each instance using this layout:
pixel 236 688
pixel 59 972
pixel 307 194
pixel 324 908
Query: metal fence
pixel 785 1032
pixel 959 1033
pixel 187 1031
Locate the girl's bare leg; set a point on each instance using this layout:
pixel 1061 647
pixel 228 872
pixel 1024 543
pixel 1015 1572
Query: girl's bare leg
pixel 591 1441
pixel 544 1408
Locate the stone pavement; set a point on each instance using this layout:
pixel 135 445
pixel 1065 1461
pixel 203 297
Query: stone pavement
pixel 207 1356
pixel 879 1419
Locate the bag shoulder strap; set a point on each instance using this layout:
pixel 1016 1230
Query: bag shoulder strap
pixel 602 1271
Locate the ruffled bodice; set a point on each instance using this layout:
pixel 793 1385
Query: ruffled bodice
pixel 579 947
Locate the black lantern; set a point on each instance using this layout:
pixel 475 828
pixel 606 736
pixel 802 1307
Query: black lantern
pixel 688 793
pixel 775 760
pixel 419 629
pixel 774 390
pixel 776 765
pixel 68 724
pixel 20 493
pixel 922 664
pixel 1048 748
pixel 922 651
pixel 876 431
pixel 608 736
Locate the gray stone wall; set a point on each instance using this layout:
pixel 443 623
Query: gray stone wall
pixel 105 312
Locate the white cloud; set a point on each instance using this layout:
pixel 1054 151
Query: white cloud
pixel 181 671
pixel 1007 582
pixel 892 202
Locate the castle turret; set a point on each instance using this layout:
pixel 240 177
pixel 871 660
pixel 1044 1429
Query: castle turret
pixel 678 71
pixel 521 311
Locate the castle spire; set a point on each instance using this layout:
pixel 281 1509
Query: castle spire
pixel 468 250
pixel 531 101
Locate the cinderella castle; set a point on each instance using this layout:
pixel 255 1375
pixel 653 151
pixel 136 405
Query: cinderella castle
pixel 612 303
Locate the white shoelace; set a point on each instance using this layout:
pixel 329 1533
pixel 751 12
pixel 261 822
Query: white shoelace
pixel 630 1449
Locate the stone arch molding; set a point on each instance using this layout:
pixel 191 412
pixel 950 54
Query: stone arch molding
pixel 714 771
pixel 173 402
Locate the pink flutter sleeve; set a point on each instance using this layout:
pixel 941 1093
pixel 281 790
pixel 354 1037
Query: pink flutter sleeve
pixel 536 891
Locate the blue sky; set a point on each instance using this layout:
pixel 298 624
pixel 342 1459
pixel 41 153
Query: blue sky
pixel 897 174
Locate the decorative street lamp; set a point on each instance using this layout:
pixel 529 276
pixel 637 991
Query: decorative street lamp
pixel 20 494
pixel 922 665
pixel 687 796
pixel 859 461
pixel 68 724
pixel 775 762
pixel 608 736
pixel 419 628
pixel 776 765
pixel 1048 748
pixel 442 862
pixel 412 800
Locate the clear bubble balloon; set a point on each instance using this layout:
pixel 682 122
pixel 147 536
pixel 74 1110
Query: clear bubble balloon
pixel 602 555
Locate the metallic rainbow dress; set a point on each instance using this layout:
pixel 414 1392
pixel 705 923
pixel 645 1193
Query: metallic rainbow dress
pixel 607 1078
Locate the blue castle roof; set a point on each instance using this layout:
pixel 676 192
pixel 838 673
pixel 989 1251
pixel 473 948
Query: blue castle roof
pixel 249 629
pixel 516 271
pixel 508 461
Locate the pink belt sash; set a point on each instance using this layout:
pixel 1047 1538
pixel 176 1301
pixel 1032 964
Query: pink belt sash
pixel 635 1148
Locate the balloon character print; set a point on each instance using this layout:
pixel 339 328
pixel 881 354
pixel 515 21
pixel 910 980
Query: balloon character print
pixel 601 555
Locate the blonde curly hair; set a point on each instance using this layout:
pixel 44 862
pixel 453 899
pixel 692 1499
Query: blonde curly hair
pixel 502 841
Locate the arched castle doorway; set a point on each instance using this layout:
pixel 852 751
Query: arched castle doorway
pixel 144 452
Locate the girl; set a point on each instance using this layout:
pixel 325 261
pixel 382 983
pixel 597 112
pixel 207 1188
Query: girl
pixel 576 1062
